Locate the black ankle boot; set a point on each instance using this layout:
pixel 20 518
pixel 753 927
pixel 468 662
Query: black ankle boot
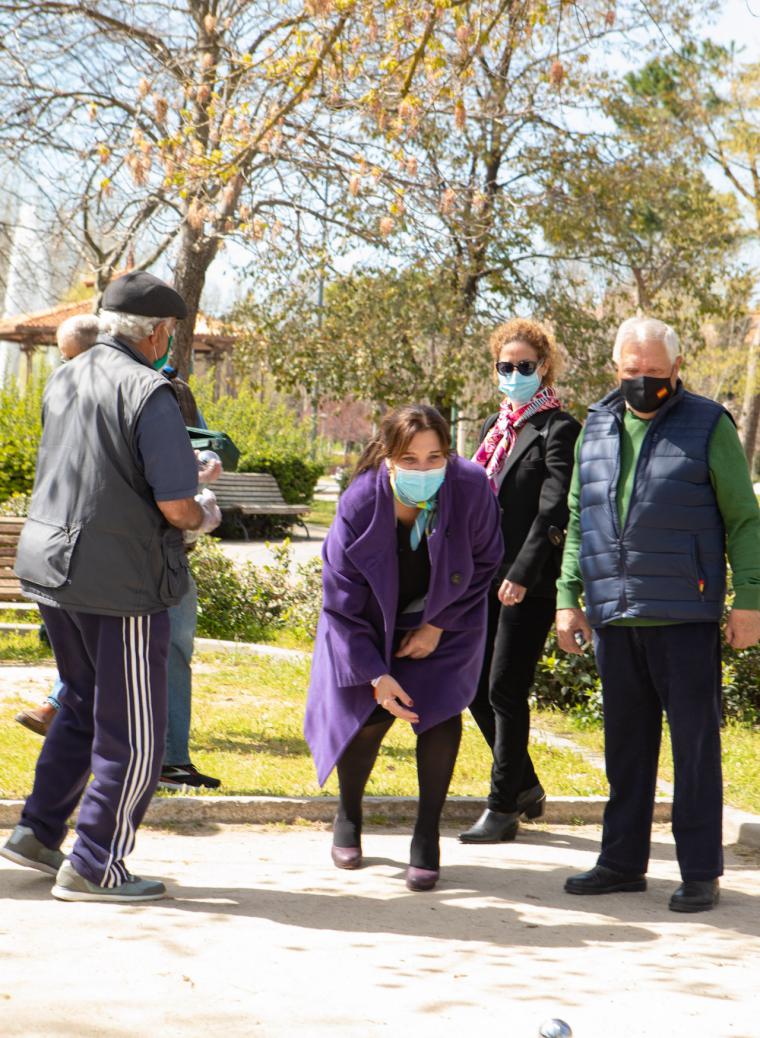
pixel 532 802
pixel 492 827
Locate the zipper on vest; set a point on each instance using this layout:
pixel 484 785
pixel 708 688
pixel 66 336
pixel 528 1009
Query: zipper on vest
pixel 641 460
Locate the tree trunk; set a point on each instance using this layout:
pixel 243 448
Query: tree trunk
pixel 196 252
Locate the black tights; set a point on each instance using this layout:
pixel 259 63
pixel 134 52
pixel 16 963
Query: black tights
pixel 437 750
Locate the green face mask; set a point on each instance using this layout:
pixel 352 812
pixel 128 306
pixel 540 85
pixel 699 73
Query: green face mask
pixel 159 362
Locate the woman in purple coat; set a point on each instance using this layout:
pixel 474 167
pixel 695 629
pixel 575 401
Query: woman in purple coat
pixel 407 566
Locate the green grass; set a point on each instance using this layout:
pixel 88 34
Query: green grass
pixel 321 513
pixel 741 755
pixel 19 616
pixel 23 648
pixel 247 718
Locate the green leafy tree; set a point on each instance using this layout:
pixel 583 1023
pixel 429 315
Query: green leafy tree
pixel 386 337
pixel 705 101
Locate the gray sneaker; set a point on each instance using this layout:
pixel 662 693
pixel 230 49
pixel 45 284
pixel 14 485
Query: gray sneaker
pixel 23 847
pixel 70 886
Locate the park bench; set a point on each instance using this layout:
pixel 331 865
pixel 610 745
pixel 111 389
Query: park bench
pixel 10 531
pixel 242 495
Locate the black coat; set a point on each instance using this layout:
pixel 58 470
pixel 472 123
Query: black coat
pixel 533 499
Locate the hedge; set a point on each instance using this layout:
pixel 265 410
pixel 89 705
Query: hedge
pixel 20 432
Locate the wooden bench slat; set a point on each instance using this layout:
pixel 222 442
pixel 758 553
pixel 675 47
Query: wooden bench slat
pixel 284 510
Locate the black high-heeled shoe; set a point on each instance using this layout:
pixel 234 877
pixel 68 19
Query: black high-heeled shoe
pixel 492 827
pixel 531 803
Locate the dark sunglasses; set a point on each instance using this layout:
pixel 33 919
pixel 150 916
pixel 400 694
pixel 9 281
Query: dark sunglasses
pixel 525 367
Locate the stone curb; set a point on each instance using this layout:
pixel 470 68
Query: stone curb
pixel 178 810
pixel 739 827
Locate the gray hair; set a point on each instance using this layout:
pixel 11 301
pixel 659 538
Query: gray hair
pixel 133 327
pixel 646 329
pixel 77 334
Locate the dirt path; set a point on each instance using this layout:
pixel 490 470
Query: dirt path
pixel 264 937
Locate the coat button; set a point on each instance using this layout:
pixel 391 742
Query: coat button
pixel 555 535
pixel 456 578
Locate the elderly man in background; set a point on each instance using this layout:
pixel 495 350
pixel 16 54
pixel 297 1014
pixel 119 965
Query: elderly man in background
pixel 74 336
pixel 77 334
pixel 102 553
pixel 660 492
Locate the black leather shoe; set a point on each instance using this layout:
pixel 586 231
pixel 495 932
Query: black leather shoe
pixel 492 827
pixel 532 802
pixel 695 895
pixel 601 880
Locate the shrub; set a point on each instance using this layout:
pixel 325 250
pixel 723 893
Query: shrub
pixel 270 437
pixel 223 609
pixel 296 475
pixel 568 682
pixel 16 505
pixel 254 602
pixel 571 682
pixel 20 432
pixel 741 684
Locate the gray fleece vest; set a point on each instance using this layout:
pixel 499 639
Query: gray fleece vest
pixel 668 561
pixel 95 540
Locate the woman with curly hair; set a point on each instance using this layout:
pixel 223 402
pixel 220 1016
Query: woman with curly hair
pixel 526 450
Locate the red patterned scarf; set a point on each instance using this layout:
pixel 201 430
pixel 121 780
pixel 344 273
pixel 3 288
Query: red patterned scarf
pixel 502 436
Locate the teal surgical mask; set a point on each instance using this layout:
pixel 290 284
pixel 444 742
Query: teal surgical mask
pixel 520 388
pixel 160 362
pixel 413 486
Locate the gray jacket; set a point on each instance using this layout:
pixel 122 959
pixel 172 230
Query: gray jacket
pixel 95 540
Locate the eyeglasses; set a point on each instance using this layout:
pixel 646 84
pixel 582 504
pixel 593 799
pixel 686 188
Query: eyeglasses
pixel 525 367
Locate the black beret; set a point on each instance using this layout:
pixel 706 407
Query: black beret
pixel 145 295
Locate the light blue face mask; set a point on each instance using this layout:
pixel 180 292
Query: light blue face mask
pixel 413 486
pixel 519 388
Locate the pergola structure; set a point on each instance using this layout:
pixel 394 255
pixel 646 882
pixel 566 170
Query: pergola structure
pixel 212 345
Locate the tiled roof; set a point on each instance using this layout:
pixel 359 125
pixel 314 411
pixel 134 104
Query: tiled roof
pixel 38 329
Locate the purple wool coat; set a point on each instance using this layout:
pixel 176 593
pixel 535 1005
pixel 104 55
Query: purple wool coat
pixel 355 634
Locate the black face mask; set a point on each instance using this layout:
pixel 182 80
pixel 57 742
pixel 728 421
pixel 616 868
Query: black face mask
pixel 646 394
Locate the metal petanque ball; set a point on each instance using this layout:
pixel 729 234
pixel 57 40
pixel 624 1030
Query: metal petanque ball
pixel 555 1029
pixel 206 457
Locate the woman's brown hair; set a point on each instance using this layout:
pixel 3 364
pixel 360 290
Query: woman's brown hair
pixel 521 329
pixel 397 430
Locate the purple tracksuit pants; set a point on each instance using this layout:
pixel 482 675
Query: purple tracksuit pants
pixel 111 724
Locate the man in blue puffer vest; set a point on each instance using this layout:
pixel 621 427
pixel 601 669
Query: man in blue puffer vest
pixel 660 492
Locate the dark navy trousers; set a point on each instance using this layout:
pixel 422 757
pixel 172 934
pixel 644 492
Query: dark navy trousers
pixel 646 670
pixel 111 724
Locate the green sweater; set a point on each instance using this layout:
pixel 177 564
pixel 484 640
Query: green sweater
pixel 736 500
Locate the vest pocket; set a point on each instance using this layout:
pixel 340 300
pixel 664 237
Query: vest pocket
pixel 699 573
pixel 174 578
pixel 45 551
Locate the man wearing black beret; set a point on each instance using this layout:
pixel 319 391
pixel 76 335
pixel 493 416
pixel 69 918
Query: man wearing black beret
pixel 102 554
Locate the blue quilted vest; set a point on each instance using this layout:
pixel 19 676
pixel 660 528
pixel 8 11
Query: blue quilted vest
pixel 668 562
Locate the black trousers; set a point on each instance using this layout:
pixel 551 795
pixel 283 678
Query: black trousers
pixel 514 643
pixel 645 670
